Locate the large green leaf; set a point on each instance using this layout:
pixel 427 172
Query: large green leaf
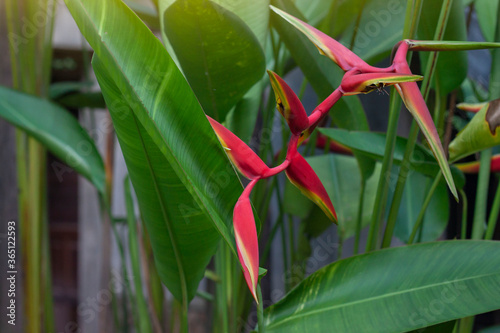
pixel 380 28
pixel 486 11
pixel 56 129
pixel 373 144
pixel 343 191
pixel 451 67
pixel 483 131
pixel 219 54
pixel 394 290
pixel 164 105
pixel 182 236
pixel 437 213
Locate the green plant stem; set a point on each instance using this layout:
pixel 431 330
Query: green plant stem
pixel 414 130
pixel 143 320
pixel 481 195
pixel 411 23
pixel 400 184
pixel 493 219
pixel 463 229
pixel 382 187
pixel 420 217
pixel 260 310
pixel 359 219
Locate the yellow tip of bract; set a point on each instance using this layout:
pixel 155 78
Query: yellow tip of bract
pixel 288 104
pixel 247 244
pixel 302 175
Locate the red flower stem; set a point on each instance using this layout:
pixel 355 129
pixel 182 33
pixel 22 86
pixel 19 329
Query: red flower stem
pixel 248 189
pixel 325 106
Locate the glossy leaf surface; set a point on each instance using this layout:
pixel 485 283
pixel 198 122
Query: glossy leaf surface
pixel 145 76
pixel 182 236
pixel 56 129
pixel 482 132
pixel 392 290
pixel 220 56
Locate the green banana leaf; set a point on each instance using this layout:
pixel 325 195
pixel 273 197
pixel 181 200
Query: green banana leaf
pixel 57 130
pixel 393 290
pixel 483 131
pixel 219 54
pixel 165 106
pixel 182 236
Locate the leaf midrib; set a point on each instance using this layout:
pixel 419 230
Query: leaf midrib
pixel 171 157
pixel 379 297
pixel 166 217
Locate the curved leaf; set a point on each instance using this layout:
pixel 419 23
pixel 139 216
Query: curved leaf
pixel 164 105
pixel 57 130
pixel 483 131
pixel 219 54
pixel 182 236
pixel 394 290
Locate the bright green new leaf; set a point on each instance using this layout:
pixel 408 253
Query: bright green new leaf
pixel 393 290
pixel 482 132
pixel 220 56
pixel 57 130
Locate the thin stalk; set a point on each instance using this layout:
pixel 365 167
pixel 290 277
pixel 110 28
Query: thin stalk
pixel 463 229
pixel 412 137
pixel 291 239
pixel 427 200
pixel 411 21
pixel 141 311
pixel 222 321
pixel 47 278
pixel 481 195
pixel 359 219
pixel 398 192
pixel 260 310
pixel 493 219
pixel 382 187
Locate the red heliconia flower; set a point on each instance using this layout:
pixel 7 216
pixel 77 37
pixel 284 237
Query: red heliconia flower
pixel 288 104
pixel 362 78
pixel 473 167
pixel 305 179
pixel 247 242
